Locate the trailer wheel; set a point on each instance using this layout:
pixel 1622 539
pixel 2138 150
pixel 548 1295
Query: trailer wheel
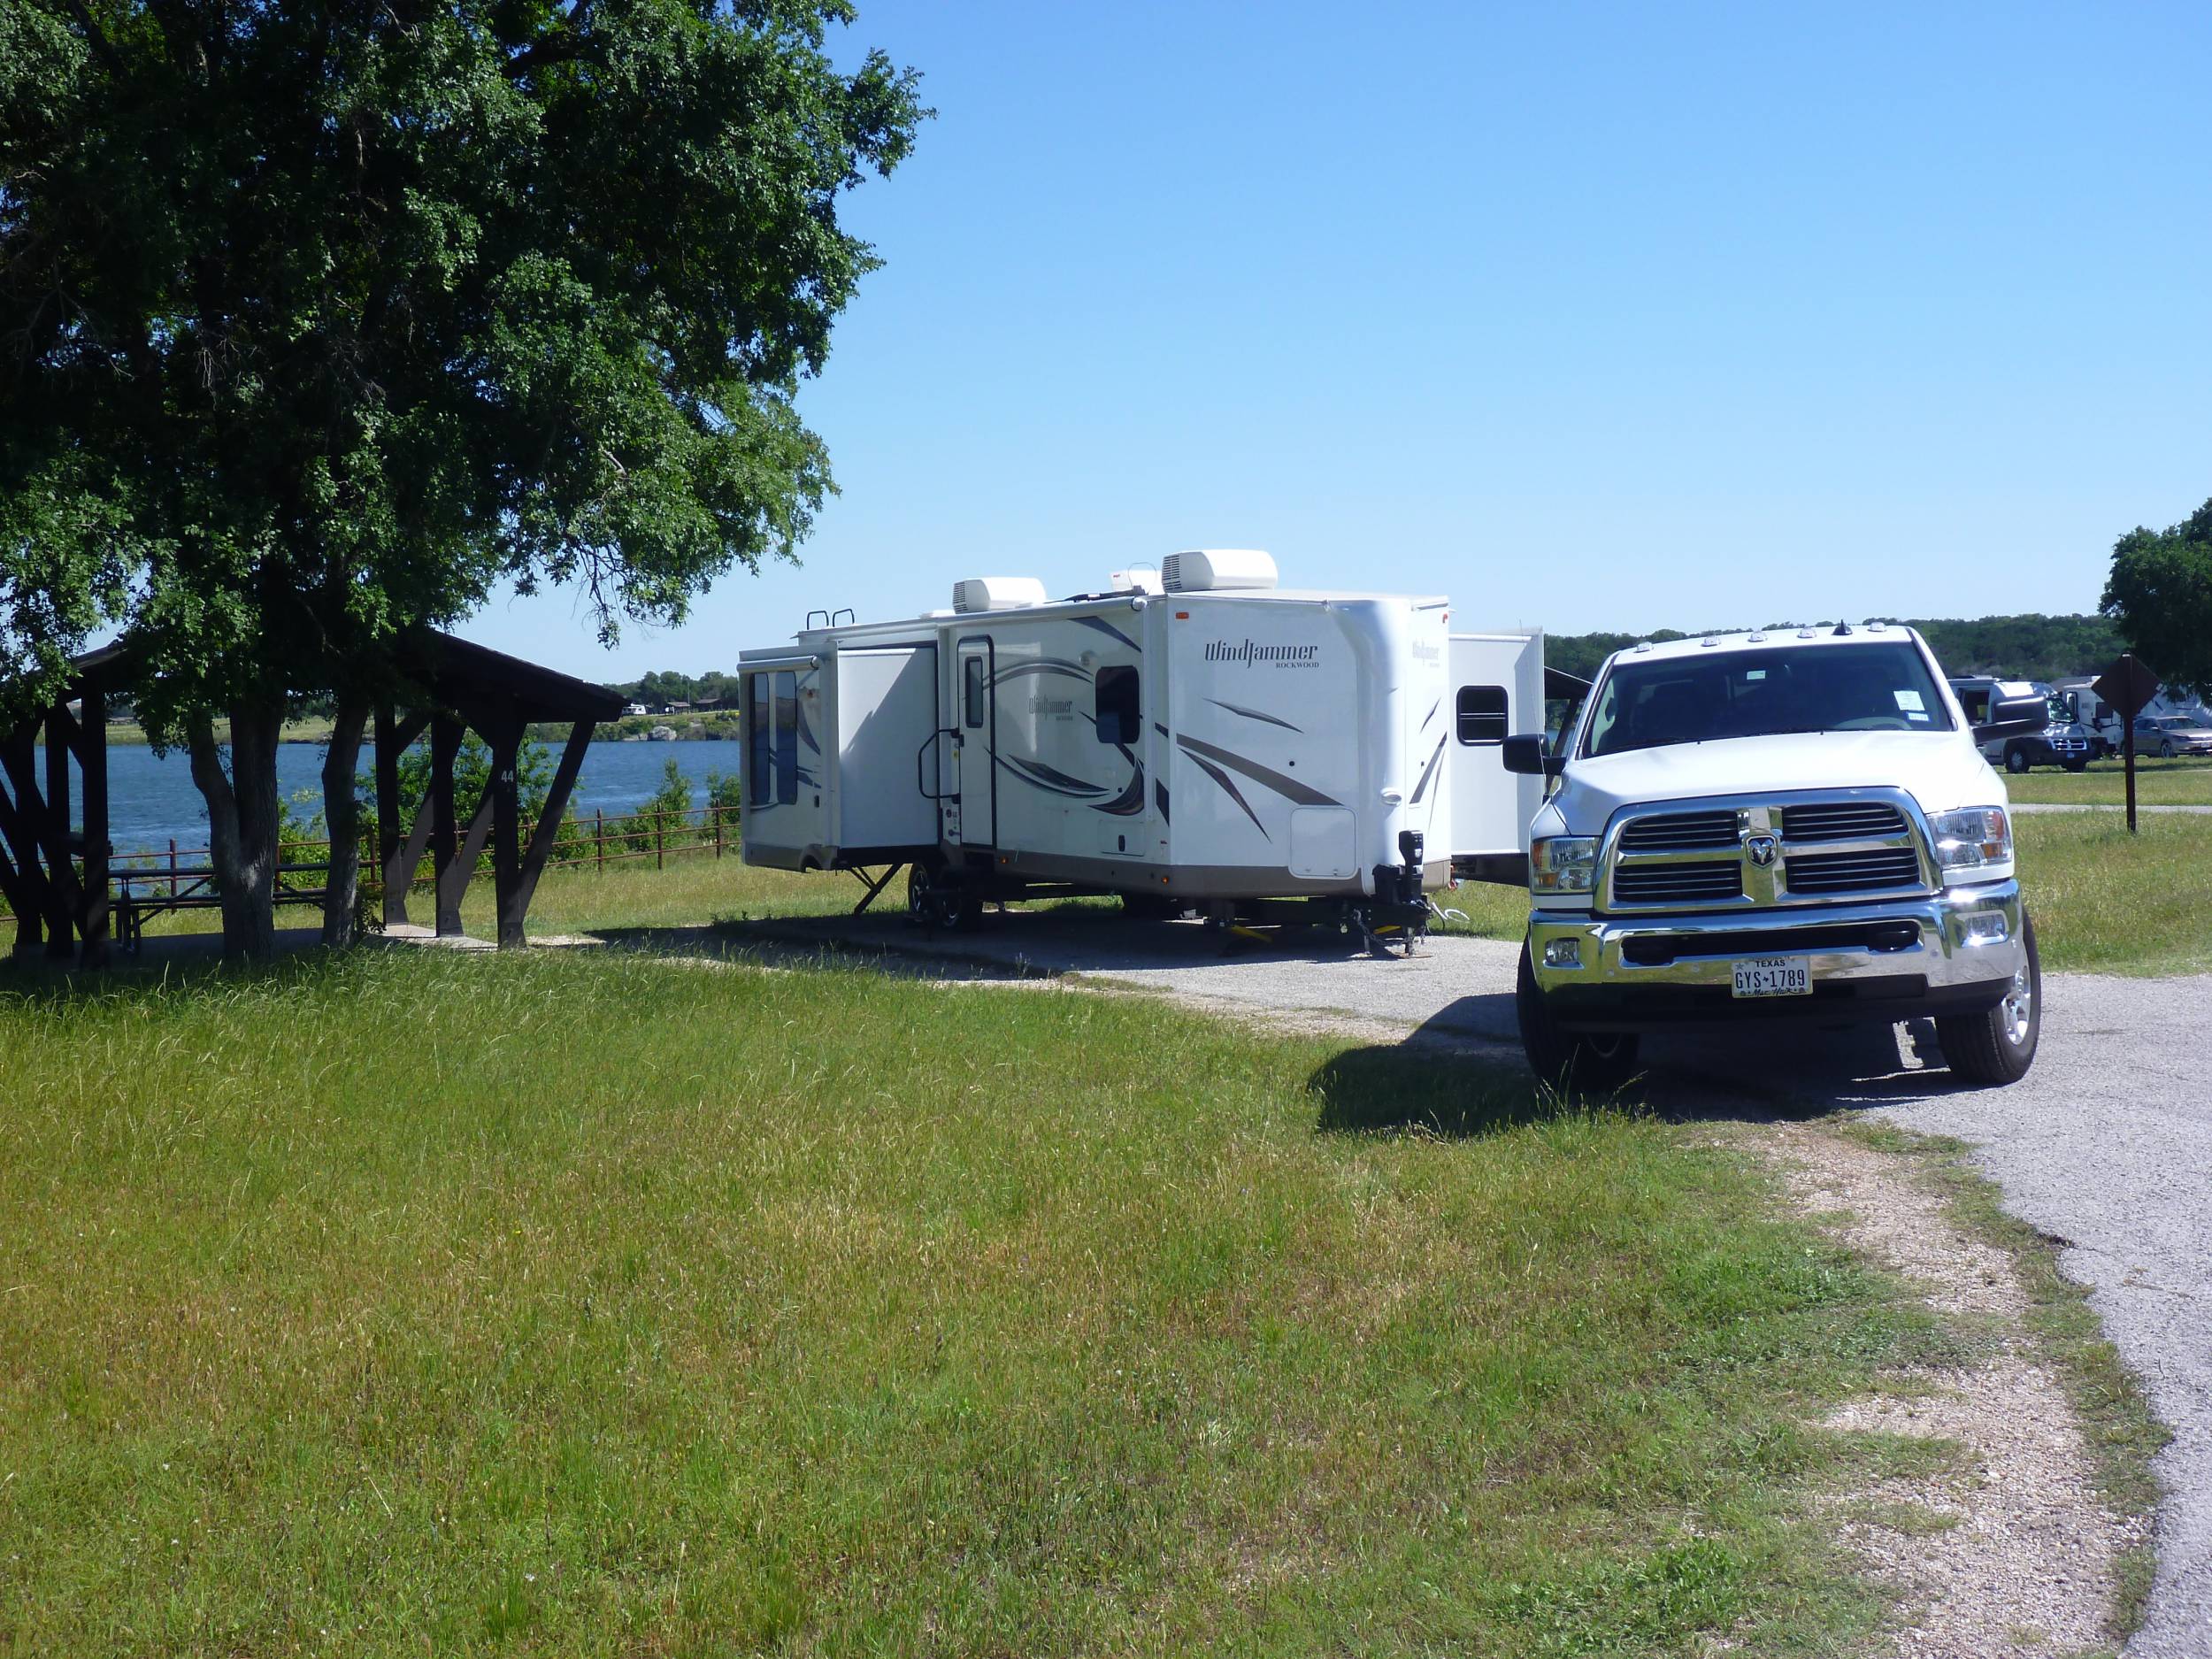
pixel 2017 759
pixel 1590 1062
pixel 927 897
pixel 2077 764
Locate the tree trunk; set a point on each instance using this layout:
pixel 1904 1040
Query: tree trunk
pixel 342 814
pixel 242 816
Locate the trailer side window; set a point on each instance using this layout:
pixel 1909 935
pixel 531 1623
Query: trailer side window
pixel 972 688
pixel 786 738
pixel 1482 714
pixel 1116 708
pixel 760 749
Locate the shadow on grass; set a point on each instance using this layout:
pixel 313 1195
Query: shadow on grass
pixel 1458 1096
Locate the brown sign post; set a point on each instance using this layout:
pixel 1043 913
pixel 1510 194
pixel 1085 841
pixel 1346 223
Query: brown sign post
pixel 2127 685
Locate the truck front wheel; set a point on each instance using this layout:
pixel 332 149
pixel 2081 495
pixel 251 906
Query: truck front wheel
pixel 1593 1063
pixel 1997 1045
pixel 2017 759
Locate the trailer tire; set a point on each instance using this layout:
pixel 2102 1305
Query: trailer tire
pixel 1591 1062
pixel 2077 765
pixel 2017 759
pixel 1996 1047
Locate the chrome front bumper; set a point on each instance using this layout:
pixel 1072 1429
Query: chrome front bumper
pixel 1891 959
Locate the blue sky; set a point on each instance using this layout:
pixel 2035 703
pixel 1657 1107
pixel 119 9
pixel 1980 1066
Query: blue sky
pixel 1589 316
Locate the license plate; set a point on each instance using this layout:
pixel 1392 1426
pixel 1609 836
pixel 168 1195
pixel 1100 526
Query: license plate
pixel 1774 976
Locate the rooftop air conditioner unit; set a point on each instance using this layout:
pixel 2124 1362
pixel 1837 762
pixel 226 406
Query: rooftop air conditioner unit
pixel 1217 570
pixel 996 593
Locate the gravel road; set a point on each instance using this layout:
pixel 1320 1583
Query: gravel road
pixel 2106 1144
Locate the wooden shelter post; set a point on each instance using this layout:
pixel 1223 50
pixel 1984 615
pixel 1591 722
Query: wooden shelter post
pixel 92 758
pixel 60 908
pixel 506 745
pixel 445 744
pixel 388 831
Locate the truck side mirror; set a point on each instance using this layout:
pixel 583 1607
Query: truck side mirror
pixel 1526 755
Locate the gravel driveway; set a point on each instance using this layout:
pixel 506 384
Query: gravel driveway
pixel 2108 1143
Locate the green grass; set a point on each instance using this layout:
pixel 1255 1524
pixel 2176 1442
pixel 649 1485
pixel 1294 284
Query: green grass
pixel 2106 901
pixel 2157 783
pixel 405 1303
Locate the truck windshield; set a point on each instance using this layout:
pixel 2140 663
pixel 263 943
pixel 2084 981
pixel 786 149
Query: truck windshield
pixel 1880 686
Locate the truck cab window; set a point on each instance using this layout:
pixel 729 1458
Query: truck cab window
pixel 1482 714
pixel 971 692
pixel 1116 706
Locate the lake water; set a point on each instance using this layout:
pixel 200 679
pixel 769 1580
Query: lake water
pixel 151 797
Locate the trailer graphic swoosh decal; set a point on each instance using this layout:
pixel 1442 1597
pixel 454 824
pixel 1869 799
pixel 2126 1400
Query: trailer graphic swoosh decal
pixel 1129 803
pixel 1430 715
pixel 1222 777
pixel 1254 714
pixel 1427 773
pixel 1108 627
pixel 806 732
pixel 1290 789
pixel 1042 666
pixel 1038 775
pixel 1159 799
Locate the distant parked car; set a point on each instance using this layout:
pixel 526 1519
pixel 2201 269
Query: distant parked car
pixel 2167 735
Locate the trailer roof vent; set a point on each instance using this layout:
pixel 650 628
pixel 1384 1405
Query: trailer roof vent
pixel 1216 569
pixel 996 593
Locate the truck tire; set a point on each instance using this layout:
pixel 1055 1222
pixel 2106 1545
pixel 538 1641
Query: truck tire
pixel 1997 1045
pixel 2080 763
pixel 2017 759
pixel 1589 1062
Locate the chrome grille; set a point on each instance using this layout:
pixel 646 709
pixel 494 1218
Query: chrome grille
pixel 1840 821
pixel 1681 831
pixel 1700 855
pixel 1844 873
pixel 1677 883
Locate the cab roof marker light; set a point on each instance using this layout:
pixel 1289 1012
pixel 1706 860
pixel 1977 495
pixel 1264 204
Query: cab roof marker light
pixel 1709 643
pixel 1807 634
pixel 1755 638
pixel 1643 645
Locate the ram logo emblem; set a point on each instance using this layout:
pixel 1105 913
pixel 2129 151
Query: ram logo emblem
pixel 1761 849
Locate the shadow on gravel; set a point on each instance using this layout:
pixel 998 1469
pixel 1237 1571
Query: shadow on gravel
pixel 1449 1076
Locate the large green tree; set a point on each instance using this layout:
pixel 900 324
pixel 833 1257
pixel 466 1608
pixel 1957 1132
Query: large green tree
pixel 2160 593
pixel 324 317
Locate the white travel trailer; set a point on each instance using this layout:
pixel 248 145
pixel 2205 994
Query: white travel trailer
pixel 1200 739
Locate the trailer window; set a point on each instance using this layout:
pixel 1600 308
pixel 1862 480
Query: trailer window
pixel 786 738
pixel 759 746
pixel 972 691
pixel 1116 708
pixel 1482 714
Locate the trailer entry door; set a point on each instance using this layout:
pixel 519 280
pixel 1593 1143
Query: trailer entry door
pixel 976 712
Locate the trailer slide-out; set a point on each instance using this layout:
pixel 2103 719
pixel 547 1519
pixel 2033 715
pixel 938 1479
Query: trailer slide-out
pixel 1197 740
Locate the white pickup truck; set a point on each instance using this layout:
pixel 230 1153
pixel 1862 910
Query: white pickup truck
pixel 1791 822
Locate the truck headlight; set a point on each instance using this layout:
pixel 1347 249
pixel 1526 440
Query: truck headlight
pixel 1563 863
pixel 1973 839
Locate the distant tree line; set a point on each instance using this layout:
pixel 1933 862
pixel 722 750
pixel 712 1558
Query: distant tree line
pixel 2030 647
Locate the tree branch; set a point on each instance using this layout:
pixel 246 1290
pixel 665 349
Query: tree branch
pixel 102 48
